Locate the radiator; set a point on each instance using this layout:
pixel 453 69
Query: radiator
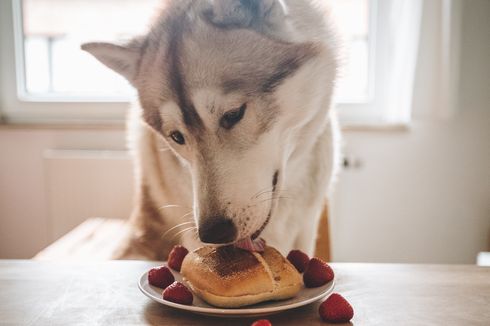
pixel 86 183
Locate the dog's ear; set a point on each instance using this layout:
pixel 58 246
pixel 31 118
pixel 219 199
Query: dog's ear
pixel 266 16
pixel 122 59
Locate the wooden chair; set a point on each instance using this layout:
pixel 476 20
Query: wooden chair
pixel 323 247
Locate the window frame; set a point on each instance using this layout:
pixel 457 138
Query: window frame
pixel 17 106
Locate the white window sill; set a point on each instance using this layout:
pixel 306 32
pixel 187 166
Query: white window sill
pixel 121 125
pixel 378 127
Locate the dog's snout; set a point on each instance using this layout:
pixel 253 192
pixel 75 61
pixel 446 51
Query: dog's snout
pixel 217 230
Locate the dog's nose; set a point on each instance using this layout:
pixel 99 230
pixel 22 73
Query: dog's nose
pixel 217 230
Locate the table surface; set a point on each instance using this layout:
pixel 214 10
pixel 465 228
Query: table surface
pixel 106 293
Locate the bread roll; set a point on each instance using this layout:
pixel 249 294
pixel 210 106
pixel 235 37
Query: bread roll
pixel 230 277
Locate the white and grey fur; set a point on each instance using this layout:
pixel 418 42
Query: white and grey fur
pixel 270 172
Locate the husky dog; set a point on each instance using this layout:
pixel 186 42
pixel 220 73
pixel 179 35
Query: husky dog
pixel 234 136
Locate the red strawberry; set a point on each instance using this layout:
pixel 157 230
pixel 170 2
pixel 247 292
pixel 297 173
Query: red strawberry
pixel 336 309
pixel 176 257
pixel 178 293
pixel 299 259
pixel 317 273
pixel 262 322
pixel 160 276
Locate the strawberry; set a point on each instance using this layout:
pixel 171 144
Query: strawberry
pixel 160 277
pixel 176 257
pixel 178 293
pixel 336 309
pixel 262 322
pixel 317 273
pixel 299 259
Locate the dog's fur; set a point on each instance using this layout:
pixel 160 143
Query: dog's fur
pixel 269 173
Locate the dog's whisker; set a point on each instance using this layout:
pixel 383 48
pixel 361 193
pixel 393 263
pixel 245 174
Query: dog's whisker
pixel 176 227
pixel 268 190
pixel 277 197
pixel 170 206
pixel 187 214
pixel 261 191
pixel 264 193
pixel 183 231
pixel 271 192
pixel 274 197
pixel 173 206
pixel 270 199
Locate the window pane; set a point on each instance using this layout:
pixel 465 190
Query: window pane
pixel 37 64
pixel 54 30
pixel 353 18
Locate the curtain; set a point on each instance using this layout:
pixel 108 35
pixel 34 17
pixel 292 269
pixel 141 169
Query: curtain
pixel 423 51
pixel 402 47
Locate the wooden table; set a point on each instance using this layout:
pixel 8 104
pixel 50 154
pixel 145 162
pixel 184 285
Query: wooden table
pixel 105 293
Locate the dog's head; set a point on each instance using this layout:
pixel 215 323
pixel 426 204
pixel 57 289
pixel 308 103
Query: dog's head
pixel 219 83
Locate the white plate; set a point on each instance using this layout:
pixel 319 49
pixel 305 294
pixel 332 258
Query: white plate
pixel 304 297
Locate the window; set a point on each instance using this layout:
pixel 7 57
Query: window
pixel 55 80
pixel 394 30
pixel 55 66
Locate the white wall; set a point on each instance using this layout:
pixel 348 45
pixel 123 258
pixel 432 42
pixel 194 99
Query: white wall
pixel 419 196
pixel 423 195
pixel 26 225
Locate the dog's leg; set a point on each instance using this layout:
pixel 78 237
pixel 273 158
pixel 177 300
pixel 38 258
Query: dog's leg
pixel 306 239
pixel 163 196
pixel 280 236
pixel 146 237
pixel 325 163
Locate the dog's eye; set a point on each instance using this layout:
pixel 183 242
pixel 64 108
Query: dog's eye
pixel 177 137
pixel 229 119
